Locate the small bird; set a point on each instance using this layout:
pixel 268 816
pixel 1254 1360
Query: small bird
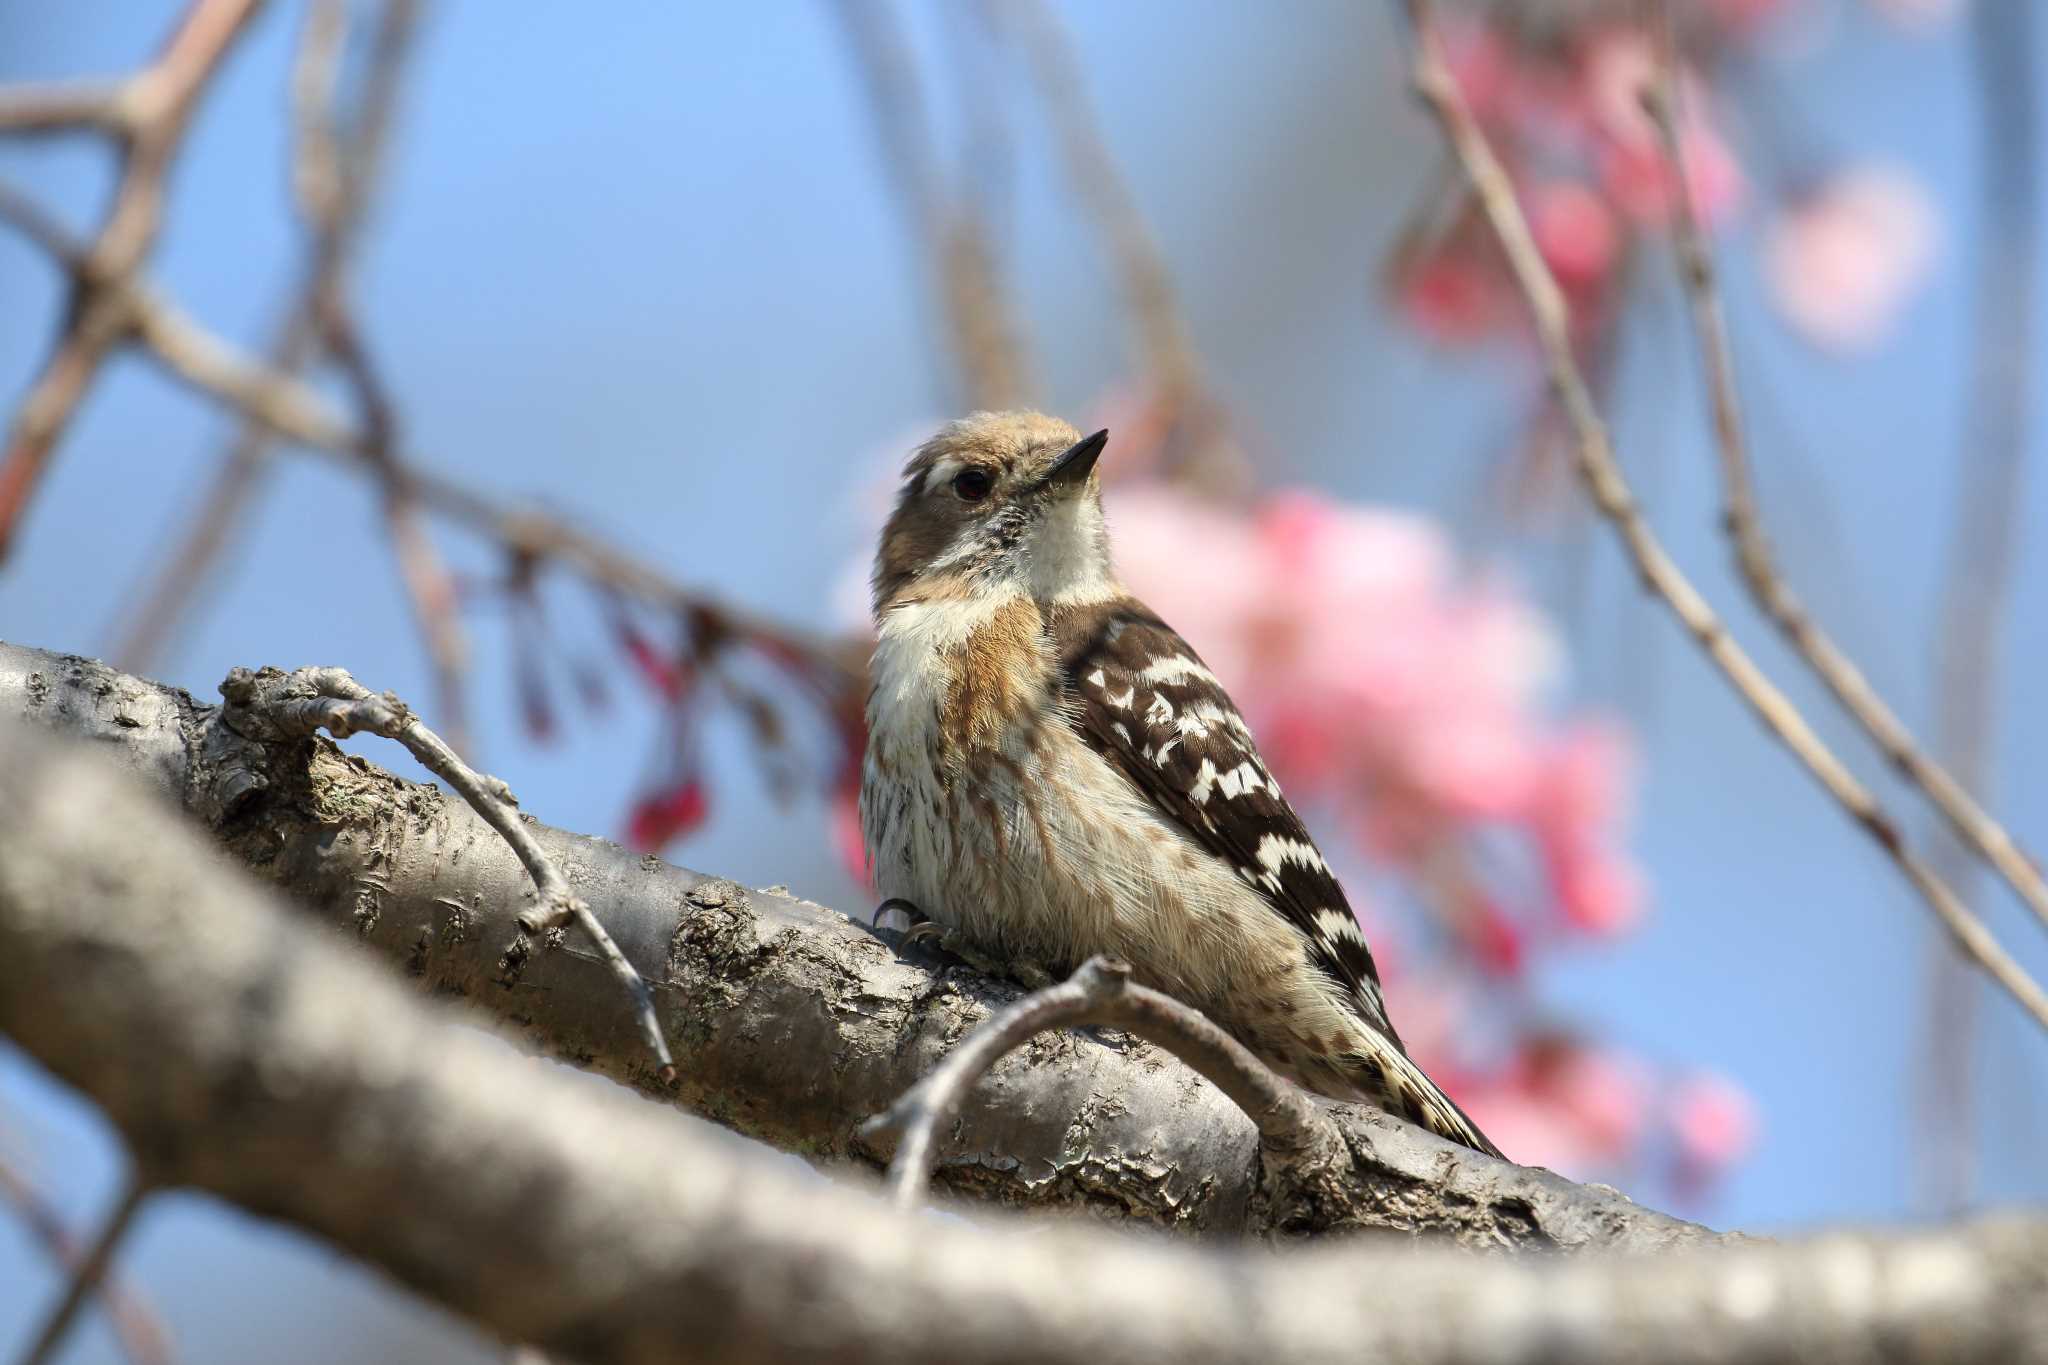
pixel 1051 773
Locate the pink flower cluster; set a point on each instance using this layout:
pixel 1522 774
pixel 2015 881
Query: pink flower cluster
pixel 1563 107
pixel 1567 117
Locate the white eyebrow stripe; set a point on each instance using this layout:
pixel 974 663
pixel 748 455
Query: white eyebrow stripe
pixel 942 471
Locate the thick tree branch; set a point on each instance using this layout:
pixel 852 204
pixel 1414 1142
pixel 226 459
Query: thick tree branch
pixel 789 1022
pixel 247 1054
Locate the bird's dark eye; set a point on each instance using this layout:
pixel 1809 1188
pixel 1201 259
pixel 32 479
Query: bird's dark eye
pixel 972 484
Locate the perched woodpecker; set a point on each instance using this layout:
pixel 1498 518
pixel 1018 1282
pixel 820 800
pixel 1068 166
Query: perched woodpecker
pixel 1051 773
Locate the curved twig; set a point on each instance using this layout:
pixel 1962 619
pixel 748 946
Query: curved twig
pixel 1593 456
pixel 329 699
pixel 1100 992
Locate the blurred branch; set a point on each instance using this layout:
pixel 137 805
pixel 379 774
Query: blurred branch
pixel 1753 551
pixel 1609 489
pixel 790 1023
pixel 250 1056
pixel 981 328
pixel 336 169
pixel 1198 436
pixel 147 114
pixel 136 1326
pixel 288 407
pixel 87 1273
pixel 1984 546
pixel 340 147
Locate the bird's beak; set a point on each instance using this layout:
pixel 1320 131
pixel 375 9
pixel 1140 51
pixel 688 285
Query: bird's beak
pixel 1071 469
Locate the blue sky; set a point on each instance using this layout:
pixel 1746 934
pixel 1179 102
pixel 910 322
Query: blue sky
pixel 641 267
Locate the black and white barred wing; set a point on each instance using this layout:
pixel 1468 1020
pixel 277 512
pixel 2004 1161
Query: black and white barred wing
pixel 1141 697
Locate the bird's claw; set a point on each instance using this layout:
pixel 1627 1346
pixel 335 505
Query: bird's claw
pixel 918 919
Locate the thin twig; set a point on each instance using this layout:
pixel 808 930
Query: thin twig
pixel 87 1274
pixel 141 1333
pixel 981 326
pixel 329 699
pixel 333 174
pixel 1199 434
pixel 153 109
pixel 1759 569
pixel 1983 547
pixel 1593 456
pixel 1101 992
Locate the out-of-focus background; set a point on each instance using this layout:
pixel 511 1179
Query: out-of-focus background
pixel 654 271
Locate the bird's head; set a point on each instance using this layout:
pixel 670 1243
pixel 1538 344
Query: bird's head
pixel 1003 503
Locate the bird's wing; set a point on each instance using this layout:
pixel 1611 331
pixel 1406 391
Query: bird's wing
pixel 1138 695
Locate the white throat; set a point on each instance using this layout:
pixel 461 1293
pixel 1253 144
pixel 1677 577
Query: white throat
pixel 1065 559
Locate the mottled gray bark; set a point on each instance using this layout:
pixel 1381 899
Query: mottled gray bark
pixel 245 1052
pixel 790 1023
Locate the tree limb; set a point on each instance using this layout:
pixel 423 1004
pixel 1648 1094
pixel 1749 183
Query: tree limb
pixel 789 1022
pixel 245 1053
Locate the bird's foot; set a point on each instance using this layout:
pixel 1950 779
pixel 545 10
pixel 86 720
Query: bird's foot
pixel 1031 974
pixel 918 918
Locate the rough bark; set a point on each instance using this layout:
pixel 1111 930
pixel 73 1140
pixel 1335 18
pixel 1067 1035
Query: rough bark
pixel 790 1023
pixel 248 1053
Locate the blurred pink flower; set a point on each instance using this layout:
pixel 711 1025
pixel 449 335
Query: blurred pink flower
pixel 1640 178
pixel 1575 230
pixel 1844 261
pixel 1713 1123
pixel 1454 299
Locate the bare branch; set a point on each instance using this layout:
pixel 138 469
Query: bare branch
pixel 154 107
pixel 140 1333
pixel 252 1057
pixel 1984 548
pixel 791 1023
pixel 1199 440
pixel 87 1274
pixel 1100 992
pixel 1593 456
pixel 1753 555
pixel 63 107
pixel 982 331
pixel 280 403
pixel 329 699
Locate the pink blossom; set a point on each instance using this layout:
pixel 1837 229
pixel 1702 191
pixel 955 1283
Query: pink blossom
pixel 1640 178
pixel 1617 64
pixel 1453 299
pixel 1845 261
pixel 1713 1122
pixel 1575 230
pixel 1608 1095
pixel 662 816
pixel 1479 62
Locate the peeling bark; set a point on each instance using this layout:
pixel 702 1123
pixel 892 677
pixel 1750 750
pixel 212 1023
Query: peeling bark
pixel 243 1051
pixel 790 1022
